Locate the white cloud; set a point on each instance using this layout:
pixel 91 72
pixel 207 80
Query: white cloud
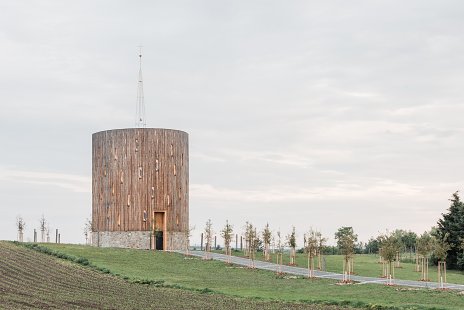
pixel 206 157
pixel 370 189
pixel 360 94
pixel 75 183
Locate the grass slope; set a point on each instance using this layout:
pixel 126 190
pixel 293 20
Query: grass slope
pixel 31 280
pixel 195 273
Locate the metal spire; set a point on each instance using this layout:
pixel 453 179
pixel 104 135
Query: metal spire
pixel 140 111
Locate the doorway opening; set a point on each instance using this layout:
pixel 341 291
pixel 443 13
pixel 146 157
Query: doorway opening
pixel 159 231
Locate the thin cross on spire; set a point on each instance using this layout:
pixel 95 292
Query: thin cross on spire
pixel 140 109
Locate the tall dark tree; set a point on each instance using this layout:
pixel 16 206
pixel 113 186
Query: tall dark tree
pixel 452 223
pixel 372 246
pixel 406 238
pixel 409 240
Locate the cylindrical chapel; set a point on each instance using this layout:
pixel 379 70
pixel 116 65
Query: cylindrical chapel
pixel 140 188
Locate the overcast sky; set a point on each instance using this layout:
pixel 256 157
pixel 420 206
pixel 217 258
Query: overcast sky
pixel 309 113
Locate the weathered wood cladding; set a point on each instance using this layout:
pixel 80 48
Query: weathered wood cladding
pixel 137 172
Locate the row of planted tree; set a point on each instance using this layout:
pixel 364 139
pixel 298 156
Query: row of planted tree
pixel 390 247
pixel 44 228
pixel 427 246
pixel 314 246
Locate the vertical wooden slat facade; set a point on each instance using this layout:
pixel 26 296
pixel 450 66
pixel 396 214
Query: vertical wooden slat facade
pixel 137 172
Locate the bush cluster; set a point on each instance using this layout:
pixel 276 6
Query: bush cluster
pixel 78 260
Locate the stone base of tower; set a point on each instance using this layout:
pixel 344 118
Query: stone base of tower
pixel 122 239
pixel 137 240
pixel 176 241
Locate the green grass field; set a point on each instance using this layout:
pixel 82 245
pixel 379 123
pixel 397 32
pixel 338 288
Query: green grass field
pixel 194 273
pixel 368 265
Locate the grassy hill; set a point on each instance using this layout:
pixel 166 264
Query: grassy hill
pixel 32 280
pixel 196 274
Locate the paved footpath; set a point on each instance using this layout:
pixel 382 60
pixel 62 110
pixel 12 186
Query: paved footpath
pixel 322 274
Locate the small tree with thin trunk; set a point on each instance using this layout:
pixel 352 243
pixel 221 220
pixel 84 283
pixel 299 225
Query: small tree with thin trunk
pixel 188 234
pixel 267 236
pixel 47 233
pixel 346 240
pixel 86 231
pixel 253 241
pixel 424 247
pixel 279 252
pixel 91 229
pixel 291 241
pixel 440 250
pixel 320 249
pixel 227 233
pixel 248 234
pixel 311 245
pixel 417 266
pixel 21 226
pixel 208 238
pixel 43 228
pixel 390 246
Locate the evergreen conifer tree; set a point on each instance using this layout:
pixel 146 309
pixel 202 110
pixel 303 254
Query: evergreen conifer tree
pixel 452 223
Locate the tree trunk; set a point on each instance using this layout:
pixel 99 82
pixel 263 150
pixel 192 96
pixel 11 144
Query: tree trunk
pixel 267 254
pixel 292 256
pixel 352 265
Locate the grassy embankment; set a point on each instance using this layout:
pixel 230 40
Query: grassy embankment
pixel 194 273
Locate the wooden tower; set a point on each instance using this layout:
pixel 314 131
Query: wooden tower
pixel 140 181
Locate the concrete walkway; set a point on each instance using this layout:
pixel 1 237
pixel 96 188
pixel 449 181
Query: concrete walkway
pixel 359 280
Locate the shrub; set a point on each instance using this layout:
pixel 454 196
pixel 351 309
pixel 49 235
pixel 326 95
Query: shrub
pixel 206 291
pixel 82 261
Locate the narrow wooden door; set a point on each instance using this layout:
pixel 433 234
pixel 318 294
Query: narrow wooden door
pixel 159 230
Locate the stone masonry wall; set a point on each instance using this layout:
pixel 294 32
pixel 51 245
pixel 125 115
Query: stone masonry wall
pixel 136 240
pixel 122 239
pixel 176 241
